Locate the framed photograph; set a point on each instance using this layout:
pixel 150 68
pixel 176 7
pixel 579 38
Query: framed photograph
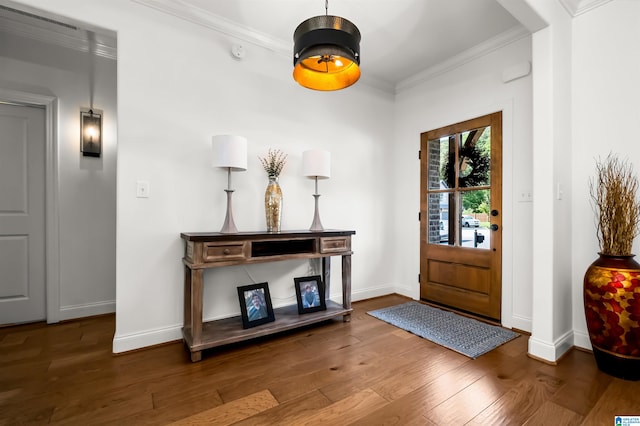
pixel 255 304
pixel 310 294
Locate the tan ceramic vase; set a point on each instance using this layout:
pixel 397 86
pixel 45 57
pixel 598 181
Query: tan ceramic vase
pixel 273 204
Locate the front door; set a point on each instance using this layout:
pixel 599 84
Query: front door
pixel 22 214
pixel 460 212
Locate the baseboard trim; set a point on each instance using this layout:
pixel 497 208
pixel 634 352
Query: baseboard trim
pixel 133 341
pixel 581 340
pixel 550 352
pixel 521 323
pixel 86 310
pixel 369 293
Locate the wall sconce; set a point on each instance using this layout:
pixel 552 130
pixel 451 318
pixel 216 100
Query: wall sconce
pixel 316 164
pixel 90 133
pixel 229 152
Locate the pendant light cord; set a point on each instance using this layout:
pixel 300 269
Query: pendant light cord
pixel 326 7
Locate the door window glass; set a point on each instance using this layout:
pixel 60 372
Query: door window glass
pixel 458 189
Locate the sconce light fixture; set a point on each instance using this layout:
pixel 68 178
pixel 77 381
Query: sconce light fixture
pixel 326 52
pixel 229 152
pixel 316 164
pixel 90 133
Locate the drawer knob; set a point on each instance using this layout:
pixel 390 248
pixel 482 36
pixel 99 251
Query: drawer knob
pixel 226 251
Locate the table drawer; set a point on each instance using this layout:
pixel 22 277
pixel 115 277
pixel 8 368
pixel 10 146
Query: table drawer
pixel 335 244
pixel 220 252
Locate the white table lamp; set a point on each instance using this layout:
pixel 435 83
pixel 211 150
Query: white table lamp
pixel 316 164
pixel 229 152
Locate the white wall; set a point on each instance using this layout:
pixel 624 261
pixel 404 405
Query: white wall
pixel 198 90
pixel 471 90
pixel 86 191
pixel 177 86
pixel 606 111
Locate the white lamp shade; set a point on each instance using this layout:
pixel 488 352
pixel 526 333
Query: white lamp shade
pixel 229 151
pixel 316 163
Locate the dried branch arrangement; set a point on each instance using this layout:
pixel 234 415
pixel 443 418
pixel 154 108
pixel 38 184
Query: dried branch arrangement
pixel 614 195
pixel 273 162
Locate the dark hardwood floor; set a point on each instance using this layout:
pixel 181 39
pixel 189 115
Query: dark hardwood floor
pixel 365 372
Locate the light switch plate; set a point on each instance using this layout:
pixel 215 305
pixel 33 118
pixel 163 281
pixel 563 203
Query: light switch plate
pixel 524 195
pixel 142 189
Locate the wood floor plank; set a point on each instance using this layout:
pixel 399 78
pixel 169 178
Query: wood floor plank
pixel 347 410
pixel 103 412
pixel 621 398
pixel 377 367
pixel 516 406
pixel 233 411
pixel 37 416
pixel 466 404
pixel 553 414
pixel 350 365
pixel 583 385
pixel 292 412
pixel 418 403
pixel 419 374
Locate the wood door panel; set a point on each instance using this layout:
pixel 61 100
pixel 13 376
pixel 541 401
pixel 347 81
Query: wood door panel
pixel 460 276
pixel 478 303
pixel 463 255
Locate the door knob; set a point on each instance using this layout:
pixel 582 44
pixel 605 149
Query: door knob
pixel 494 212
pixel 494 227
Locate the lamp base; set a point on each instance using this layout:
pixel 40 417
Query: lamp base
pixel 316 225
pixel 229 226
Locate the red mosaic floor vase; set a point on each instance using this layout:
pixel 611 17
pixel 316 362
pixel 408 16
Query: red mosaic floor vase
pixel 612 309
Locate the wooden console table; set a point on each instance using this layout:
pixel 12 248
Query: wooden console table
pixel 214 250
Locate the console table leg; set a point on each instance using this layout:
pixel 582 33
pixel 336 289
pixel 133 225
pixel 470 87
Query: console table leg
pixel 326 276
pixel 196 356
pixel 196 306
pixel 346 282
pixel 187 299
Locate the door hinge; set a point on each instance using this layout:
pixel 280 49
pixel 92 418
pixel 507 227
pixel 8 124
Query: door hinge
pixel 418 277
pixel 419 154
pixel 419 216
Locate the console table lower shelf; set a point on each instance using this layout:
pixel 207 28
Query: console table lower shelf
pixel 229 330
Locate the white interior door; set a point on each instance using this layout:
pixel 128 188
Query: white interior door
pixel 22 214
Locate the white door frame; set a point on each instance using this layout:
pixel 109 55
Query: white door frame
pixel 52 254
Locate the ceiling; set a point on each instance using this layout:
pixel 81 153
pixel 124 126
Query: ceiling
pixel 401 39
pixel 403 42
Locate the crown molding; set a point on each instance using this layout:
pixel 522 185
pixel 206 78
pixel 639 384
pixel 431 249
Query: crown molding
pixel 185 11
pixel 46 30
pixel 512 35
pixel 578 7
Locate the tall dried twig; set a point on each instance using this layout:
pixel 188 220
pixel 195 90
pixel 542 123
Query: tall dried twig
pixel 614 196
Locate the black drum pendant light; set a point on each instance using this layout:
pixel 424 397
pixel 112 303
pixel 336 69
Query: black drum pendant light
pixel 326 52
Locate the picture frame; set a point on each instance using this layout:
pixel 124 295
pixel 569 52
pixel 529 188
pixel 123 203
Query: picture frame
pixel 255 304
pixel 310 293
